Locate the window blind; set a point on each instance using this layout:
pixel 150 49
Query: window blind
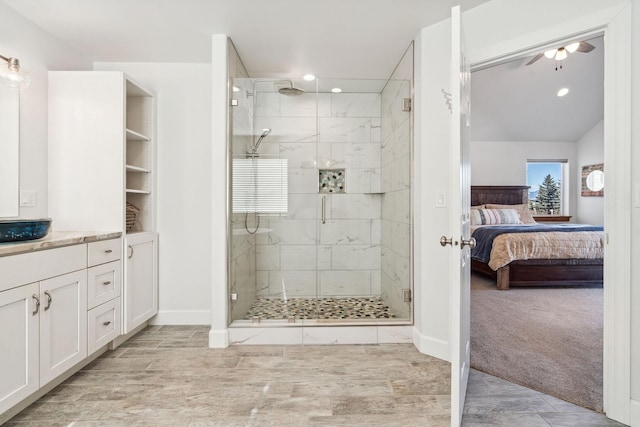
pixel 259 185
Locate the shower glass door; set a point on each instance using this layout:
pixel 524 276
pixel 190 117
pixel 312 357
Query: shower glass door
pixel 339 249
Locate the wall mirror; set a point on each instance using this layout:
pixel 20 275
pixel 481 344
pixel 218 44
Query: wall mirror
pixel 9 151
pixel 593 180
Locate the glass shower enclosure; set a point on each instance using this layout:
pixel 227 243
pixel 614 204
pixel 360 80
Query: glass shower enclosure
pixel 320 176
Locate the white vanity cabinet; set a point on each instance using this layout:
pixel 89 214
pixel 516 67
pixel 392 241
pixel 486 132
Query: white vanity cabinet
pixel 43 327
pixel 57 307
pixel 141 294
pixel 43 332
pixel 104 293
pixel 19 335
pixel 102 162
pixel 63 325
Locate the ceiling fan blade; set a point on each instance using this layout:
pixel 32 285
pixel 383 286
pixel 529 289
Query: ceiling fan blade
pixel 535 58
pixel 585 47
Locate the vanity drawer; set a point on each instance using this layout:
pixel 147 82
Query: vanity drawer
pixel 17 270
pixel 104 251
pixel 104 283
pixel 103 324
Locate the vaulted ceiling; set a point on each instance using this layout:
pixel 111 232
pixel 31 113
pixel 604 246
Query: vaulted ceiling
pixel 519 102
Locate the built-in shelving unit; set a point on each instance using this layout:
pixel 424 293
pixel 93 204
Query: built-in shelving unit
pixel 101 159
pixel 102 151
pixel 140 155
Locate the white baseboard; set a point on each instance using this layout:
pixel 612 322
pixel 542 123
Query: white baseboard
pixel 219 338
pixel 634 414
pixel 181 317
pixel 431 346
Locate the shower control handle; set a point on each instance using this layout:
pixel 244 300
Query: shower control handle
pixel 324 209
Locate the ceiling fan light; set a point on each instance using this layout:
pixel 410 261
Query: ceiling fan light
pixel 550 53
pixel 562 54
pixel 572 47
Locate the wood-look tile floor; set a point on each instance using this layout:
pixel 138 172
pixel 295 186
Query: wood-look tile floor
pixel 167 376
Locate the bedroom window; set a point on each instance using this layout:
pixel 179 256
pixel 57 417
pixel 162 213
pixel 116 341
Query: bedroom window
pixel 549 186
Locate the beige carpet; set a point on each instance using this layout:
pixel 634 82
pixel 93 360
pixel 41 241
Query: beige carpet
pixel 547 339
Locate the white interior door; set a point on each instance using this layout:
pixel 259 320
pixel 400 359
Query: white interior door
pixel 460 261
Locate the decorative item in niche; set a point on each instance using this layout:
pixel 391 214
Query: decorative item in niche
pixel 593 180
pixel 332 181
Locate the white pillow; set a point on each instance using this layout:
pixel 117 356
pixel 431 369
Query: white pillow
pixel 494 216
pixel 523 211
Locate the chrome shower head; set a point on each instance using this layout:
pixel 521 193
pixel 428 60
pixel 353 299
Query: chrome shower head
pixel 291 91
pixel 265 132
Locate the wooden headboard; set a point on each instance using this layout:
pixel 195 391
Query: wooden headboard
pixel 499 194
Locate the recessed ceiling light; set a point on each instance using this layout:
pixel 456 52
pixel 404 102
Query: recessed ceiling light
pixel 563 91
pixel 309 77
pixel 336 90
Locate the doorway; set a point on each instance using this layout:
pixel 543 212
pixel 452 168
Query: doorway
pixel 520 116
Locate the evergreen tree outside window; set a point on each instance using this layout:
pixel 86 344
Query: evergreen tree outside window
pixel 546 179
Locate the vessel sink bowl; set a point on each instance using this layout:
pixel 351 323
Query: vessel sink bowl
pixel 17 230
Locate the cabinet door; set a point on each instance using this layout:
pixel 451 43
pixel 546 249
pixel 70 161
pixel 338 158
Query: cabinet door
pixel 63 323
pixel 19 344
pixel 141 282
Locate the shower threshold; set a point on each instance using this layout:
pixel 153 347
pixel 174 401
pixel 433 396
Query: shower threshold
pixel 320 309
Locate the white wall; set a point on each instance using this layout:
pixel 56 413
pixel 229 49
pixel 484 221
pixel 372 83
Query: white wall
pixel 38 53
pixel 183 97
pixel 635 218
pixel 590 150
pixel 513 23
pixel 431 166
pixel 505 163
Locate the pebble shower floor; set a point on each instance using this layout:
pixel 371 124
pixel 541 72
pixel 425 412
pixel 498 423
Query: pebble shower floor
pixel 320 308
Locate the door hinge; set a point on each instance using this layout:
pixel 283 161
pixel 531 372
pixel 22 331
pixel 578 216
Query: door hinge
pixel 406 104
pixel 406 295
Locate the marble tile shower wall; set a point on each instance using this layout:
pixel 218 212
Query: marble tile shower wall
pixel 341 257
pixel 243 245
pixel 395 185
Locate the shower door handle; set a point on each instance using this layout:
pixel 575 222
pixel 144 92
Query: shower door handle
pixel 324 209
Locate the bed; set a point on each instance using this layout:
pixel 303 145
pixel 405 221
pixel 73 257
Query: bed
pixel 583 268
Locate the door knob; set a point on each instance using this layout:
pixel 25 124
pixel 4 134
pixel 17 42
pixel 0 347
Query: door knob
pixel 444 241
pixel 471 243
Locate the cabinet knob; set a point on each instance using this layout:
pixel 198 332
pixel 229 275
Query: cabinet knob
pixel 107 323
pixel 106 283
pixel 108 251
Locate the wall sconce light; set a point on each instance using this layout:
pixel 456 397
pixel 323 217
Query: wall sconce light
pixel 13 75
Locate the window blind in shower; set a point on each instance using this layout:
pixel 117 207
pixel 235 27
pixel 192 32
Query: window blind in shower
pixel 259 185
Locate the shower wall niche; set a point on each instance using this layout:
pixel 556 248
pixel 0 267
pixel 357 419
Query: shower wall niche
pixel 331 248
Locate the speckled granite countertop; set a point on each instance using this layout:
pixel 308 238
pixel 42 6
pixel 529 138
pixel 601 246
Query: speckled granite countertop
pixel 56 239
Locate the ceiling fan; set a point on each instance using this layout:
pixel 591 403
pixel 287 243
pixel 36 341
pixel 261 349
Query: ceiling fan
pixel 562 52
